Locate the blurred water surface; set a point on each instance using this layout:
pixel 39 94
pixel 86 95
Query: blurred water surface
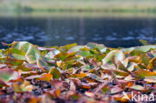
pixel 114 30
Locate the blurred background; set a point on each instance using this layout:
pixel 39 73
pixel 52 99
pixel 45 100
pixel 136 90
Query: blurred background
pixel 115 23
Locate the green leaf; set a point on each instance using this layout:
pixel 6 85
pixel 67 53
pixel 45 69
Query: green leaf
pixel 113 55
pixel 67 47
pixel 85 53
pixel 144 42
pixel 143 73
pixel 75 48
pixel 55 72
pixel 140 48
pixel 8 74
pixel 51 54
pixel 100 47
pixel 137 87
pixel 25 51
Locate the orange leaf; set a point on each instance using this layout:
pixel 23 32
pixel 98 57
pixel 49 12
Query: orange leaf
pixel 141 73
pixel 80 75
pixel 46 77
pixel 34 100
pixel 57 92
pixel 85 86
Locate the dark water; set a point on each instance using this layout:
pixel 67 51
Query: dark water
pixel 49 31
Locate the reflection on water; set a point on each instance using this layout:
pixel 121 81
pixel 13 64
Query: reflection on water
pixel 52 30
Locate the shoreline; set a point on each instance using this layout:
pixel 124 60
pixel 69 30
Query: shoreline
pixel 78 14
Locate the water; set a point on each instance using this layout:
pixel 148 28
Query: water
pixel 61 30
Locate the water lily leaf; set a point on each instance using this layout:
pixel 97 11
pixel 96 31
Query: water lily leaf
pixel 137 87
pixel 89 94
pixel 146 48
pixel 11 61
pixel 75 48
pixel 145 59
pixel 8 74
pixel 100 47
pixel 85 53
pixel 131 66
pixel 57 92
pixel 51 54
pixel 85 86
pixel 136 59
pixel 14 62
pixel 120 66
pixel 144 42
pixel 34 100
pixel 46 77
pixel 30 52
pixel 89 73
pixel 95 77
pixel 68 46
pixel 55 72
pixel 63 56
pixel 113 55
pixel 143 73
pixel 121 73
pixel 116 89
pixel 22 86
pixel 42 64
pixel 140 48
pixel 123 98
pixel 2 55
pixel 32 77
pixel 129 78
pixel 3 84
pixel 80 75
pixel 18 54
pixel 153 52
pixel 152 64
pixel 150 79
pixel 105 89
